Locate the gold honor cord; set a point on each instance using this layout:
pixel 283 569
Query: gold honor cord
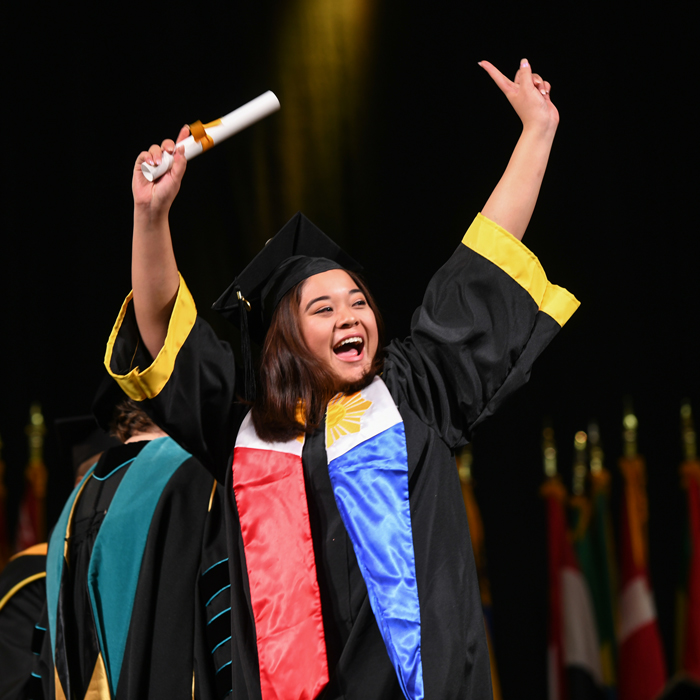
pixel 199 132
pixel 21 584
pixel 211 497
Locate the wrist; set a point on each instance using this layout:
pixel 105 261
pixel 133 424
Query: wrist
pixel 541 130
pixel 148 216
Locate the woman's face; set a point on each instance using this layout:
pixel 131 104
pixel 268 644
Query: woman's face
pixel 337 324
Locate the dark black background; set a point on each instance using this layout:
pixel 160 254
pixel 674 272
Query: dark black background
pixel 616 222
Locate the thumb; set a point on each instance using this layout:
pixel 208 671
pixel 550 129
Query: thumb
pixel 524 74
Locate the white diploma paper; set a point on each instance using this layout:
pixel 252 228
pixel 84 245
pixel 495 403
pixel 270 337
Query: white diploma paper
pixel 231 124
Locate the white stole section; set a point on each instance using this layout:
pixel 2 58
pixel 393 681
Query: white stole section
pixel 351 420
pixel 247 437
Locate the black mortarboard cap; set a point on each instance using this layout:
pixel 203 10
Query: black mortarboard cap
pixel 298 251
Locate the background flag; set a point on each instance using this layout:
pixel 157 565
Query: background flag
pixel 573 656
pixel 642 669
pixel 31 524
pixel 690 658
pixel 688 623
pixel 604 587
pixel 476 531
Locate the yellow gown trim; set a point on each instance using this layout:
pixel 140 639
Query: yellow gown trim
pixel 494 243
pixel 140 384
pixel 21 584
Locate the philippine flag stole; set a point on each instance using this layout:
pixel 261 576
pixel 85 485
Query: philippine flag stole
pixel 368 467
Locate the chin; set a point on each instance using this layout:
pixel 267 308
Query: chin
pixel 352 386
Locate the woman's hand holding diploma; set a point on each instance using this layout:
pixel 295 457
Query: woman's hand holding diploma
pixel 154 274
pixel 157 196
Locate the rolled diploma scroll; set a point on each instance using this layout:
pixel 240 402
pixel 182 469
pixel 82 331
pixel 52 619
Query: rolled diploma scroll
pixel 231 124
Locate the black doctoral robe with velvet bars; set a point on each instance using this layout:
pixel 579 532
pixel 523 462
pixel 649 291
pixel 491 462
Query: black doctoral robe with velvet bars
pixel 167 583
pixel 486 316
pixel 22 599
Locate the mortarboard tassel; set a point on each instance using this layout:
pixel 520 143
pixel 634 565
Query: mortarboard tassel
pixel 249 374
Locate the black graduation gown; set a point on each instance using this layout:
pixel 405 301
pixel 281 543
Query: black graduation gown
pixel 22 598
pixel 486 315
pixel 178 569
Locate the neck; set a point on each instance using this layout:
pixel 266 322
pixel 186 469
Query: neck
pixel 145 436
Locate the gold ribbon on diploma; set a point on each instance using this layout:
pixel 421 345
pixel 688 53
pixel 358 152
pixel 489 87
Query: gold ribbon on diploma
pixel 199 132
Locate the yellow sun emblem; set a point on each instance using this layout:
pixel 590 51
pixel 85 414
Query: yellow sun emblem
pixel 344 415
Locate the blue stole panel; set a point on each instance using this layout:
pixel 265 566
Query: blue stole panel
pixel 368 467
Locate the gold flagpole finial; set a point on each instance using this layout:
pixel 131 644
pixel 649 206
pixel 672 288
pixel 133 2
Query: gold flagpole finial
pixel 579 471
pixel 629 430
pixel 464 464
pixel 595 448
pixel 549 452
pixel 688 431
pixel 35 431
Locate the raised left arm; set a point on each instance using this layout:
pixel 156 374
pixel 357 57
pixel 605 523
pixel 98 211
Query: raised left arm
pixel 513 200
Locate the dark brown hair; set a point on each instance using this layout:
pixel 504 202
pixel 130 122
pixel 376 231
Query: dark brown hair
pixel 291 376
pixel 129 419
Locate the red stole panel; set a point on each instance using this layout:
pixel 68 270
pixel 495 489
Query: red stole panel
pixel 268 479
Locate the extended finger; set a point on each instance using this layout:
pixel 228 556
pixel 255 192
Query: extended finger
pixel 497 76
pixel 547 87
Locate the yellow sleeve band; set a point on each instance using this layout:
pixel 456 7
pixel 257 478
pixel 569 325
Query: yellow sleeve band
pixel 504 250
pixel 140 384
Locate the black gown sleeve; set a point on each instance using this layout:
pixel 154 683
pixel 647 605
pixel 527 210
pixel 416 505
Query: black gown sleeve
pixel 486 316
pixel 189 388
pixel 22 600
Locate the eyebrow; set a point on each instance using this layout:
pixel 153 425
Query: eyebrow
pixel 327 298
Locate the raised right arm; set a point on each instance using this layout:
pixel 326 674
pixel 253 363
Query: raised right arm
pixel 154 274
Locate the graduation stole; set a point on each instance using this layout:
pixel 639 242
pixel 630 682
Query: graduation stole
pixel 368 467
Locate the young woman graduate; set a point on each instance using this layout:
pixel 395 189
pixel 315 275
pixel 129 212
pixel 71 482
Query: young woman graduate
pixel 351 569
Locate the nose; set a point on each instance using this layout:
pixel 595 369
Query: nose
pixel 348 320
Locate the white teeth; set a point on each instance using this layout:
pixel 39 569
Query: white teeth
pixel 355 339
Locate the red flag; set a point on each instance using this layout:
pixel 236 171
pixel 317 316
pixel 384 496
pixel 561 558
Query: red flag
pixel 31 522
pixel 573 657
pixel 690 659
pixel 642 668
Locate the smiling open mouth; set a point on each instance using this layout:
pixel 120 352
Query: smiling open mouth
pixel 349 347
